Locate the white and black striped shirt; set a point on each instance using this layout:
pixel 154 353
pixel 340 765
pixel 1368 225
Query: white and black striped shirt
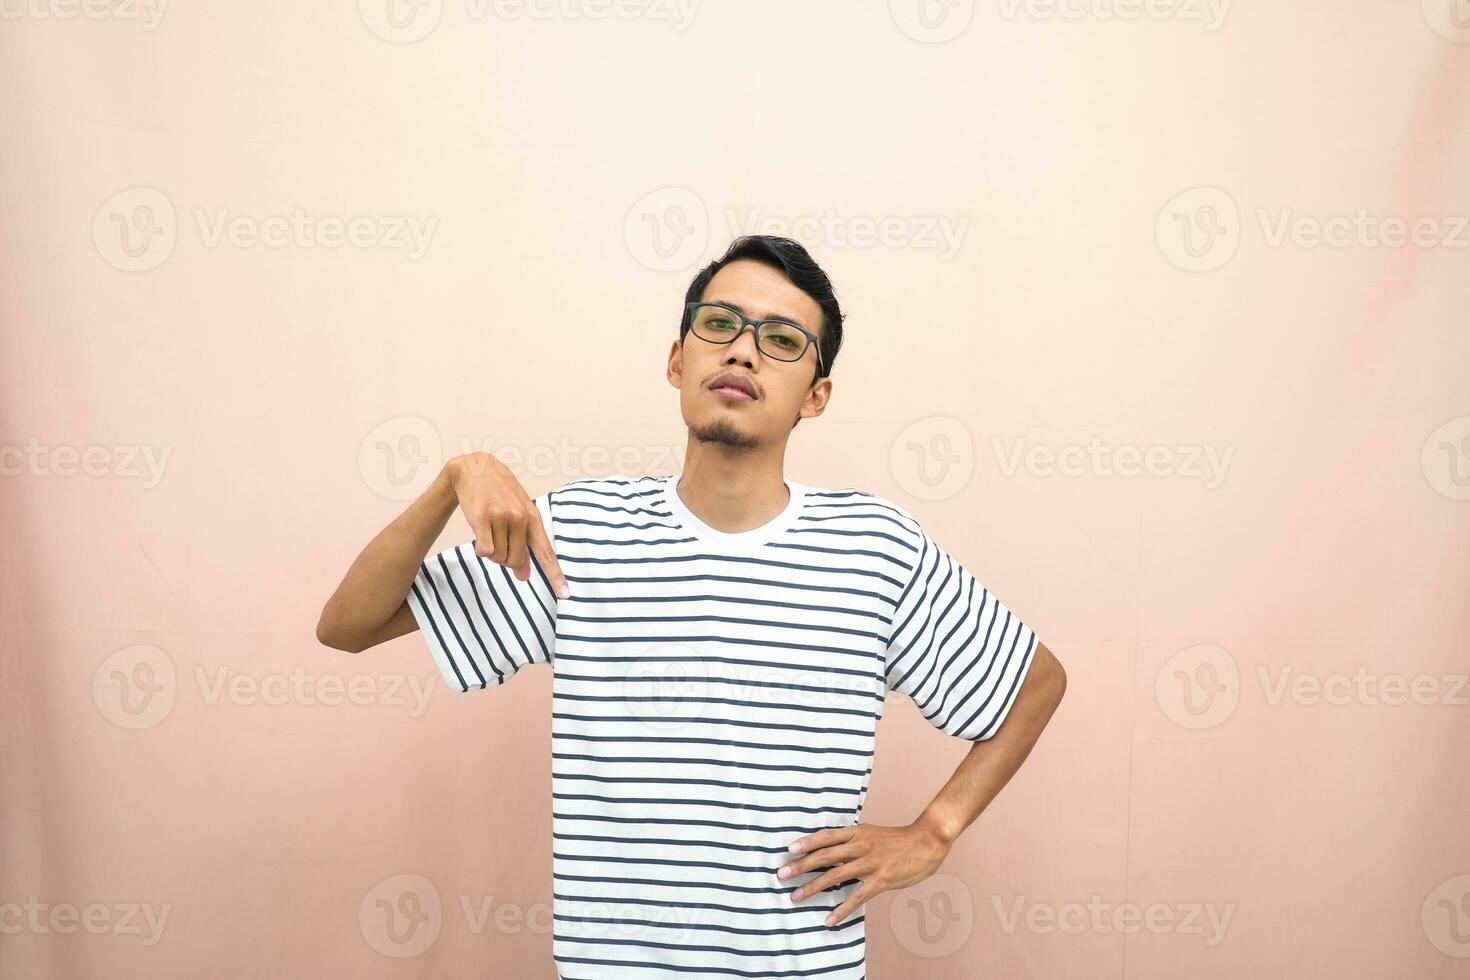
pixel 714 698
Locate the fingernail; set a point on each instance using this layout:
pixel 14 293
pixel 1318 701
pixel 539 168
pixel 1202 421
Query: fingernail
pixel 563 591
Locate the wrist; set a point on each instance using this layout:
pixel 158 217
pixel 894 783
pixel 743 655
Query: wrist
pixel 943 831
pixel 443 486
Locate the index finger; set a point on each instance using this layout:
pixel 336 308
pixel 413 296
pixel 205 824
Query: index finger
pixel 541 545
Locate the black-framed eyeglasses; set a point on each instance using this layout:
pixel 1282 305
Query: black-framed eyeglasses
pixel 780 339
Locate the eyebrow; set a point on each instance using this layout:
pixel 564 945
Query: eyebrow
pixel 774 316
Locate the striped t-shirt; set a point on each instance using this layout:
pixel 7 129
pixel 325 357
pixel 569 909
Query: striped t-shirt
pixel 714 698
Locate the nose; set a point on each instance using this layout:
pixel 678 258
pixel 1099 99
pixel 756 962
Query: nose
pixel 742 347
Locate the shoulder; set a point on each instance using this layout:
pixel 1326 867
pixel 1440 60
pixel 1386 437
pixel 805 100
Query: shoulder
pixel 855 508
pixel 594 499
pixel 612 488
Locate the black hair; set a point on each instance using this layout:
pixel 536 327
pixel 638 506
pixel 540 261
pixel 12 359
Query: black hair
pixel 792 259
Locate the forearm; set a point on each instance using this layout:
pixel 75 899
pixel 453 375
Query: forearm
pixel 373 590
pixel 990 764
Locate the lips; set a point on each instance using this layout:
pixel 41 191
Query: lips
pixel 733 386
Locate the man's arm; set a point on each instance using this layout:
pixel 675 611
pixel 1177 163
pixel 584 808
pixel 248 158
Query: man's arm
pixel 370 607
pixel 990 764
pixel 371 604
pixel 884 858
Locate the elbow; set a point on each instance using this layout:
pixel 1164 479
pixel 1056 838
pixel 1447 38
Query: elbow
pixel 337 642
pixel 326 637
pixel 1056 676
pixel 329 634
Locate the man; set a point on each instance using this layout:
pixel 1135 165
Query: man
pixel 722 641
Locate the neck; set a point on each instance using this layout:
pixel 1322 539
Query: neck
pixel 732 491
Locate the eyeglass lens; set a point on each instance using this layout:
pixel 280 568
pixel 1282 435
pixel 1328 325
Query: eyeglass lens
pixel 775 339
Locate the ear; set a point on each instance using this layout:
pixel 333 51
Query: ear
pixel 816 399
pixel 675 370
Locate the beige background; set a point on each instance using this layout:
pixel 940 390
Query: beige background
pixel 1070 241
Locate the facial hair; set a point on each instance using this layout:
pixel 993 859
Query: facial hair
pixel 722 432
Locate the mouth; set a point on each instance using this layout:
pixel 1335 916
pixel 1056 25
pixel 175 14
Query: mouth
pixel 735 387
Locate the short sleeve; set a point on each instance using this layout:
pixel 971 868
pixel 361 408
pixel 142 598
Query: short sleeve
pixel 955 648
pixel 481 623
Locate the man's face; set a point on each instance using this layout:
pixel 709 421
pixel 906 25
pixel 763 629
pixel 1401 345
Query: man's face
pixel 783 390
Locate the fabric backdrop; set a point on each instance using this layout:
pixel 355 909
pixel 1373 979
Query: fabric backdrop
pixel 1157 319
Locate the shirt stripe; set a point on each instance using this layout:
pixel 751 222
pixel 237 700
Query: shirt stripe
pixel 715 697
